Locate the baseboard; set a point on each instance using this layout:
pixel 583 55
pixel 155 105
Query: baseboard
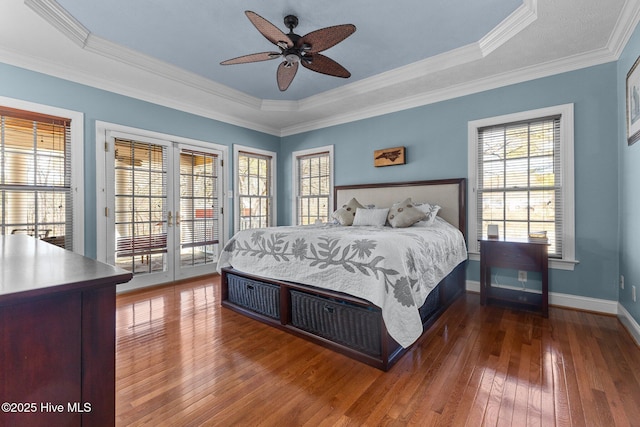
pixel 567 300
pixel 629 322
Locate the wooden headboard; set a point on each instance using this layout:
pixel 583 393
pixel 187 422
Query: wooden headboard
pixel 449 194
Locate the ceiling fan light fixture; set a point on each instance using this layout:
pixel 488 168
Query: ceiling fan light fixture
pixel 292 58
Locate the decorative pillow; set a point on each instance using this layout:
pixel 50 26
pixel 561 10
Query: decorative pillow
pixel 404 214
pixel 347 212
pixel 431 212
pixel 370 216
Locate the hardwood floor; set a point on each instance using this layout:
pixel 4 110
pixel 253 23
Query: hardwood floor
pixel 181 359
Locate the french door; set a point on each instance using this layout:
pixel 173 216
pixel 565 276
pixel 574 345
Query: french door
pixel 163 208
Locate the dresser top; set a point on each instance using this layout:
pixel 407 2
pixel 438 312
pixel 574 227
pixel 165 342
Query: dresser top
pixel 30 267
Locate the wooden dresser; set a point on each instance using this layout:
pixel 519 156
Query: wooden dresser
pixel 57 335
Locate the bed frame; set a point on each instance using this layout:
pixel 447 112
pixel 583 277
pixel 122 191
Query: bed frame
pixel 343 323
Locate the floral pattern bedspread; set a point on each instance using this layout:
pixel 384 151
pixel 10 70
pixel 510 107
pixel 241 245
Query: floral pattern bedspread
pixel 394 269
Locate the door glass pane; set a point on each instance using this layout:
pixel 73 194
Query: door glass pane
pixel 199 208
pixel 140 206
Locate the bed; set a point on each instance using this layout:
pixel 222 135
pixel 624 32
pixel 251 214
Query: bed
pixel 366 291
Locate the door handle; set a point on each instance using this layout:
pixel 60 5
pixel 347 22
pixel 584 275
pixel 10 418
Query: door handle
pixel 169 219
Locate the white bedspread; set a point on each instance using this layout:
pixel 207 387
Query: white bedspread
pixel 394 269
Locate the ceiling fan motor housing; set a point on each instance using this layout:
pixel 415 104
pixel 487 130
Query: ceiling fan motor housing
pixel 291 21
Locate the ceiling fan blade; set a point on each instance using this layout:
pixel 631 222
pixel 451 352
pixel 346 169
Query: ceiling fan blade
pixel 286 74
pixel 267 29
pixel 325 38
pixel 324 65
pixel 254 57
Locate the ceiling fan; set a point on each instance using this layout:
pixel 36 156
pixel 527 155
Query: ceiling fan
pixel 296 49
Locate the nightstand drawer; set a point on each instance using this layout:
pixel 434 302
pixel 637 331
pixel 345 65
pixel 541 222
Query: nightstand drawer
pixel 516 256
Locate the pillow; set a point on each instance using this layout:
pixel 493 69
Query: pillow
pixel 347 212
pixel 370 216
pixel 404 214
pixel 431 211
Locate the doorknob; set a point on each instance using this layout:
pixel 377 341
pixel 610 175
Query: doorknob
pixel 169 219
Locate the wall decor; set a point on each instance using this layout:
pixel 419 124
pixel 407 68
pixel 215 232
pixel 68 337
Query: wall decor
pixel 389 157
pixel 633 103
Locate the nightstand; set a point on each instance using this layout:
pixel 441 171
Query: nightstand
pixel 517 255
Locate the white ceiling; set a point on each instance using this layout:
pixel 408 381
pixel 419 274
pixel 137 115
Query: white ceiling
pixel 403 54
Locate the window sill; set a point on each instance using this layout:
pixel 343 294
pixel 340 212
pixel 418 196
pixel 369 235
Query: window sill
pixel 555 264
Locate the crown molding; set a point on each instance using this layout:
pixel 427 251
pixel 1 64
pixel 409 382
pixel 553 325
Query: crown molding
pixel 280 106
pixel 456 57
pixel 509 27
pixel 626 24
pixel 171 72
pixel 18 59
pixel 57 16
pixel 520 19
pixel 628 20
pixel 245 109
pixel 577 62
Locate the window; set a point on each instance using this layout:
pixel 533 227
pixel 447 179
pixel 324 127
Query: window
pixel 255 183
pixel 313 181
pixel 36 195
pixel 521 171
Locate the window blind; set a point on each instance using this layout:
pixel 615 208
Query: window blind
pixel 140 204
pixel 35 176
pixel 519 180
pixel 254 190
pixel 314 182
pixel 199 204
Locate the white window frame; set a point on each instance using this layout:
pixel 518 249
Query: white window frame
pixel 77 159
pixel 565 112
pixel 273 184
pixel 294 165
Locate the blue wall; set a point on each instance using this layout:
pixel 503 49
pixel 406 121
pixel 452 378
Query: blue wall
pixel 109 107
pixel 436 140
pixel 629 187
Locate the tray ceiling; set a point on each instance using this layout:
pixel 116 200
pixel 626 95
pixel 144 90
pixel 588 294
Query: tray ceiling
pixel 403 54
